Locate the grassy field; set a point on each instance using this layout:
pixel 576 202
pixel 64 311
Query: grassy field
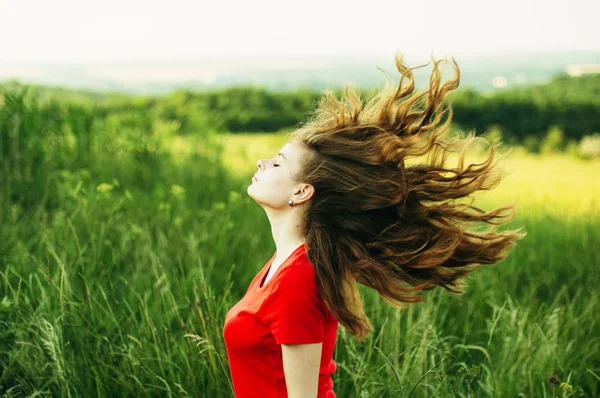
pixel 123 290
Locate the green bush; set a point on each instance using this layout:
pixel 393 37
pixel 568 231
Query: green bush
pixel 554 140
pixel 531 144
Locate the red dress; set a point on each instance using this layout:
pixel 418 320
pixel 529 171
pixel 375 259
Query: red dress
pixel 286 310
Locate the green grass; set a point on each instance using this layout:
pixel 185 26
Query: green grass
pixel 123 290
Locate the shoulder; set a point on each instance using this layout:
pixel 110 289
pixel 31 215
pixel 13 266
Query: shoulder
pixel 294 309
pixel 299 271
pixel 297 283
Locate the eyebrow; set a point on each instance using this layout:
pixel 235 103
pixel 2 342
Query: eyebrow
pixel 282 155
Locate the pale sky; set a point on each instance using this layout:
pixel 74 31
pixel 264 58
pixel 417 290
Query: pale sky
pixel 57 31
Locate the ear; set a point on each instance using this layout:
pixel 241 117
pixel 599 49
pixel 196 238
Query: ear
pixel 305 193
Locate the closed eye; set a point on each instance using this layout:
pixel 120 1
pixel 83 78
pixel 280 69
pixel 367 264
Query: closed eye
pixel 275 165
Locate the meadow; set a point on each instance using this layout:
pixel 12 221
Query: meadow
pixel 117 271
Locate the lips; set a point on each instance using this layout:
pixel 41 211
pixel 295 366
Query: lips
pixel 254 178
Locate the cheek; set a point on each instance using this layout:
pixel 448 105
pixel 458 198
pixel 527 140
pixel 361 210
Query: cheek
pixel 285 181
pixel 278 177
pixel 279 184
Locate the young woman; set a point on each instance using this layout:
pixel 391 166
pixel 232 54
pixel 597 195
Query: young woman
pixel 346 207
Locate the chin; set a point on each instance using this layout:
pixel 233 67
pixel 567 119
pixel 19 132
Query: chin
pixel 251 192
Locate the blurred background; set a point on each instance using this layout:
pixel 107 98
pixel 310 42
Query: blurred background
pixel 130 130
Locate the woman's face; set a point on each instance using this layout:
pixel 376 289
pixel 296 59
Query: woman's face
pixel 273 185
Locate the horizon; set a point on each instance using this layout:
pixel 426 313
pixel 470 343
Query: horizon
pixel 312 57
pixel 483 72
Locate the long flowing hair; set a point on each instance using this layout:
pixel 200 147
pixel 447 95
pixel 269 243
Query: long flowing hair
pixel 375 219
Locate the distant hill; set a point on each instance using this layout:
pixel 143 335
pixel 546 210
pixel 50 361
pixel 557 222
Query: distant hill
pixel 316 74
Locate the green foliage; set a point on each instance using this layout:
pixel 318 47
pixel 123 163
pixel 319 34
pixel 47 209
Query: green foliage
pixel 93 210
pixel 532 144
pixel 570 103
pixel 554 141
pixel 572 148
pixel 119 258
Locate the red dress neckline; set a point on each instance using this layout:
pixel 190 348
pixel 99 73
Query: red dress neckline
pixel 268 265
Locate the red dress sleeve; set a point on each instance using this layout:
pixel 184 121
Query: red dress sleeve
pixel 294 310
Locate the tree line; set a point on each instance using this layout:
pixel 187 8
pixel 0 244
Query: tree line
pixel 569 103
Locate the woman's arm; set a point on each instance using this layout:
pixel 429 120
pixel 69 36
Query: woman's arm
pixel 301 364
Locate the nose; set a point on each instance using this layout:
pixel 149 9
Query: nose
pixel 260 164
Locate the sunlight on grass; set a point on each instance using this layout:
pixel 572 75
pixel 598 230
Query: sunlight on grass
pixel 558 184
pixel 242 151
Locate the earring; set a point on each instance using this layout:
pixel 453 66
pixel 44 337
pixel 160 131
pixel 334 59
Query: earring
pixel 291 202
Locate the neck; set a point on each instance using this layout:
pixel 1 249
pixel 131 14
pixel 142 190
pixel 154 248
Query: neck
pixel 287 229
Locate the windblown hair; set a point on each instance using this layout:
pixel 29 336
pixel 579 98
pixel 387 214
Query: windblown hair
pixel 376 220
